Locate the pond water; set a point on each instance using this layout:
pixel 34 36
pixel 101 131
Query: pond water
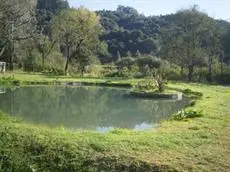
pixel 85 108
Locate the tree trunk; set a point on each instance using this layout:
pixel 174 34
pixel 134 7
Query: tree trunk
pixel 69 56
pixel 67 61
pixel 190 72
pixel 43 60
pixel 67 65
pixel 181 71
pixel 221 68
pixel 222 64
pixel 11 65
pixel 210 71
pixel 82 72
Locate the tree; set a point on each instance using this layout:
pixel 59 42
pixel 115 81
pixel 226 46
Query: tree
pixel 16 24
pixel 45 10
pixel 44 46
pixel 147 46
pixel 52 5
pixel 191 23
pixel 149 61
pixel 77 31
pixel 225 39
pixel 126 62
pixel 118 56
pixel 185 42
pixel 211 42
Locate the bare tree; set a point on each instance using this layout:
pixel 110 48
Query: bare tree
pixel 17 23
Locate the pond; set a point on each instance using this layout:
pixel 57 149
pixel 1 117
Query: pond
pixel 86 108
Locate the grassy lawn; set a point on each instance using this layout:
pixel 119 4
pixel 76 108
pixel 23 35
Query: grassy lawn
pixel 198 144
pixel 35 77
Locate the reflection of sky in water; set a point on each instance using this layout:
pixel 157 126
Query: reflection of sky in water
pixel 2 89
pixel 104 129
pixel 138 127
pixel 144 126
pixel 86 108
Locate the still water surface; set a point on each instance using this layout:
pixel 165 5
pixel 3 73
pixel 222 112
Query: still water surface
pixel 86 108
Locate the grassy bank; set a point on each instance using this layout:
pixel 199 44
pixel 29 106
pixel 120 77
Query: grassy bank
pixel 36 77
pixel 198 144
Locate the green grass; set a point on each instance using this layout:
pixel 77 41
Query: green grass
pixel 196 144
pixel 36 77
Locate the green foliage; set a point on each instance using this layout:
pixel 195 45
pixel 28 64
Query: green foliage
pixel 145 85
pixel 174 73
pixel 8 81
pixel 150 61
pixel 224 78
pixel 32 61
pixel 17 26
pixel 78 31
pixel 160 82
pixel 192 94
pixel 52 6
pixel 95 70
pixel 55 61
pixel 186 114
pixel 124 72
pixel 125 62
pixel 45 10
pixel 129 31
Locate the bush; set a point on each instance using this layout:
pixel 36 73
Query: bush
pixel 125 62
pixel 32 61
pixel 145 85
pixel 185 114
pixel 160 82
pixel 9 81
pixel 192 94
pixel 174 73
pixel 124 72
pixel 110 70
pixel 54 64
pixel 224 78
pixel 94 70
pixel 200 74
pixel 148 60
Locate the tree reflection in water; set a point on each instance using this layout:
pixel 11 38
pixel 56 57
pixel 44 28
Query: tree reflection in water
pixel 79 108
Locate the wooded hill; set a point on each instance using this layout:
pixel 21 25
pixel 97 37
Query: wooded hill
pixel 127 31
pixel 48 35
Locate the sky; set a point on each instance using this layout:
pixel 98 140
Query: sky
pixel 218 9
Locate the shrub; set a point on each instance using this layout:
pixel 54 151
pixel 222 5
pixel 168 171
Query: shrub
pixel 224 78
pixel 185 114
pixel 151 61
pixel 125 62
pixel 124 72
pixel 145 85
pixel 9 81
pixel 174 73
pixel 160 82
pixel 32 61
pixel 192 94
pixel 94 70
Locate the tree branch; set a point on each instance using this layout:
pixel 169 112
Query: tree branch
pixel 2 51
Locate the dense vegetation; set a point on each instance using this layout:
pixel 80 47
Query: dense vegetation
pixel 48 36
pixel 189 40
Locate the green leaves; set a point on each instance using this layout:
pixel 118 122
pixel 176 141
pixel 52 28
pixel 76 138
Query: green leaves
pixel 185 114
pixel 78 31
